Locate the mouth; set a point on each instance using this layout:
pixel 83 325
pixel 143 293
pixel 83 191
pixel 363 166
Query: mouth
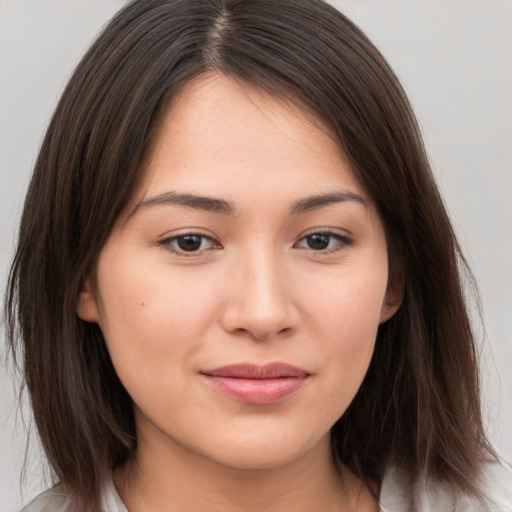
pixel 254 384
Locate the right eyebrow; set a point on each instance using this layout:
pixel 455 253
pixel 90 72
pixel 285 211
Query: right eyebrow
pixel 209 204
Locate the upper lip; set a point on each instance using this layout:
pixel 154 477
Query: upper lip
pixel 254 371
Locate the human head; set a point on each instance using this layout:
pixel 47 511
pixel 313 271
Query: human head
pixel 88 167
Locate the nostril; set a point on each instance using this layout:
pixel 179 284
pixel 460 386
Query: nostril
pixel 262 336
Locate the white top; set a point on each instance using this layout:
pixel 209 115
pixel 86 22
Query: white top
pixel 397 495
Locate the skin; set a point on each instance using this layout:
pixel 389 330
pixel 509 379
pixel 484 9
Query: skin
pixel 255 291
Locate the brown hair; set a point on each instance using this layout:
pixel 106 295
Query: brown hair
pixel 418 406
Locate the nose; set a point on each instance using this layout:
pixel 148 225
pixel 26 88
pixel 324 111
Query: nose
pixel 259 298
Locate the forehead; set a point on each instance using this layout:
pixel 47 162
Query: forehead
pixel 220 136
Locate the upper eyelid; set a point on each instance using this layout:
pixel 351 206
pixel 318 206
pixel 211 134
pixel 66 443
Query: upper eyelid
pixel 312 231
pixel 327 231
pixel 185 232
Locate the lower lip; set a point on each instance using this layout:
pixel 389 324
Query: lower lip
pixel 257 391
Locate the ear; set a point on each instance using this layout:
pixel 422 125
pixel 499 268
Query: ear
pixel 392 301
pixel 87 305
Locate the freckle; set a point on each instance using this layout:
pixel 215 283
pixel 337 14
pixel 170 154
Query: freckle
pixel 142 304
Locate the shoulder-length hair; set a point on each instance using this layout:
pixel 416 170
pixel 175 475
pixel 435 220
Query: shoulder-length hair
pixel 418 406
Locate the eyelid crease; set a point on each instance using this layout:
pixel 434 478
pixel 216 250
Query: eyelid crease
pixel 327 231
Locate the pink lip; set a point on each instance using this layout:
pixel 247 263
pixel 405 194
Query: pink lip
pixel 255 384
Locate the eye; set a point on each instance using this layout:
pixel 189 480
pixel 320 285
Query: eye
pixel 189 243
pixel 324 242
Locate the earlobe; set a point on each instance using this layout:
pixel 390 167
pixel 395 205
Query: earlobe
pixel 388 310
pixel 395 288
pixel 87 305
pixel 392 302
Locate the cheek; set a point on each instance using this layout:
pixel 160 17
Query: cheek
pixel 346 305
pixel 153 322
pixel 347 321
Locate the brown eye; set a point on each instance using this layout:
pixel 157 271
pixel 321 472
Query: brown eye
pixel 318 241
pixel 324 242
pixel 188 243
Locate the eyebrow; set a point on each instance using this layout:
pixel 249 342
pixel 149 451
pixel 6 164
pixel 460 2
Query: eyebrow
pixel 215 205
pixel 316 202
pixel 208 204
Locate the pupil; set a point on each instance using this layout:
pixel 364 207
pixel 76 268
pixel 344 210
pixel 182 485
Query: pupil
pixel 189 242
pixel 318 241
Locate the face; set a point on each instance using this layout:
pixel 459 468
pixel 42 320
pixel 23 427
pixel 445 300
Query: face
pixel 241 291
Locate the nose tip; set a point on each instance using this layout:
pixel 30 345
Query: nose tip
pixel 259 304
pixel 261 321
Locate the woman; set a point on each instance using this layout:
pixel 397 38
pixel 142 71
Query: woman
pixel 236 285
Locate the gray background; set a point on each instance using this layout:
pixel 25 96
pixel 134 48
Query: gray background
pixel 454 58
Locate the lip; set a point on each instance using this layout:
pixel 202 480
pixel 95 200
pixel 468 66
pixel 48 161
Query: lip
pixel 255 384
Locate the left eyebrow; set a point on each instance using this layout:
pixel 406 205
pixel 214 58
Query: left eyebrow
pixel 312 203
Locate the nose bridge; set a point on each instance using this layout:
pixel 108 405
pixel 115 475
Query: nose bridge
pixel 259 301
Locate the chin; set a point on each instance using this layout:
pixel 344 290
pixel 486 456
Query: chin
pixel 253 453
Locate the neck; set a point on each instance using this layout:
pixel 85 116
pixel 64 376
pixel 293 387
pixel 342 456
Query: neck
pixel 178 480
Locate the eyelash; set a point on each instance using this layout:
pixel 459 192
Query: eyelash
pixel 343 241
pixel 168 243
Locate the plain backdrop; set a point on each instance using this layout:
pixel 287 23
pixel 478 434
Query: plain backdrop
pixel 454 58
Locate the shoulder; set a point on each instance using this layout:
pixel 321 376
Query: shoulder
pixel 400 493
pixel 52 500
pixel 496 484
pixel 57 500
